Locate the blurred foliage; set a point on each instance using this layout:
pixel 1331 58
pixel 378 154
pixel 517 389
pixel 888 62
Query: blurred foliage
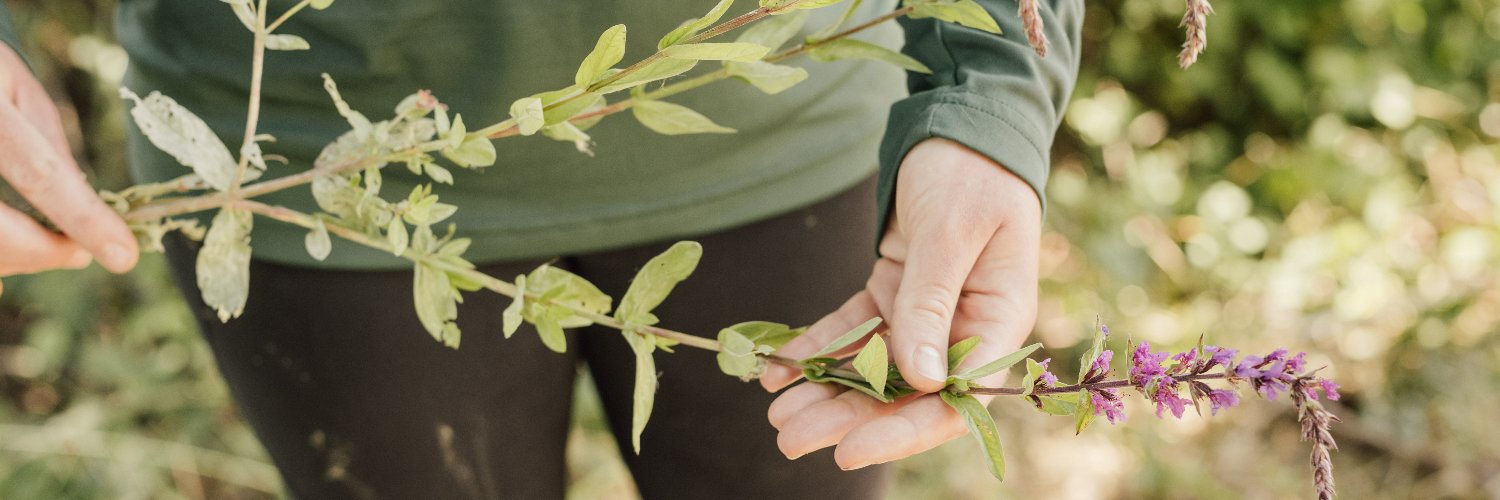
pixel 1325 179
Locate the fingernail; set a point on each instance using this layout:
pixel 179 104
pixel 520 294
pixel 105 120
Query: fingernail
pixel 116 256
pixel 930 363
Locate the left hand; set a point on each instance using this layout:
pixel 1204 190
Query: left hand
pixel 959 260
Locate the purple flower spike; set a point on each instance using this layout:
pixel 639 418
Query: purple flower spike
pixel 1222 398
pixel 1146 365
pixel 1101 363
pixel 1329 387
pixel 1107 402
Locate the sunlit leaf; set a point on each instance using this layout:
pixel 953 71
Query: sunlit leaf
pixel 725 51
pixel 318 243
pixel 672 119
pixel 965 12
pixel 657 278
pixel 769 78
pixel 528 114
pixel 286 42
pixel 693 26
pixel 511 319
pixel 610 49
pixel 998 365
pixel 848 48
pixel 774 32
pixel 181 134
pixel 849 337
pixel 872 363
pixel 982 427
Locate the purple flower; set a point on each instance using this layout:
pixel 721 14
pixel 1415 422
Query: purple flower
pixel 1166 398
pixel 1100 366
pixel 1146 365
pixel 1220 355
pixel 1329 387
pixel 1047 378
pixel 1222 398
pixel 1104 329
pixel 1107 402
pixel 1185 358
pixel 1272 374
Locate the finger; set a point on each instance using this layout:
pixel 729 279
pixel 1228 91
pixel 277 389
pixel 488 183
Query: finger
pixel 824 423
pixel 858 309
pixel 799 398
pixel 57 188
pixel 29 248
pixel 34 103
pixel 917 427
pixel 940 257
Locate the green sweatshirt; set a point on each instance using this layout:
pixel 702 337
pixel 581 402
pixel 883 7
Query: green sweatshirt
pixel 543 198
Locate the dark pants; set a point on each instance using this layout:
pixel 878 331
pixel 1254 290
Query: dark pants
pixel 354 400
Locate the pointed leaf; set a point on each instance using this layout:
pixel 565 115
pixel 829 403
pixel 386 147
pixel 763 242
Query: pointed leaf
pixel 982 427
pixel 872 363
pixel 181 134
pixel 659 69
pixel 767 334
pixel 1033 371
pixel 1085 411
pixel 645 385
pixel 395 234
pixel 960 350
pixel 736 355
pixel 774 32
pixel 223 266
pixel 550 329
pixel 848 48
pixel 320 4
pixel 361 125
pixel 965 12
pixel 1060 405
pixel 769 78
pixel 1000 364
pixel 610 49
pixel 657 278
pixel 672 119
pixel 286 42
pixel 693 26
pixel 849 337
pixel 433 295
pixel 727 51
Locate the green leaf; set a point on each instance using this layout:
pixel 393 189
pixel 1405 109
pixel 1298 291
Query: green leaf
pixel 474 151
pixel 774 32
pixel 767 334
pixel 736 355
pixel 964 12
pixel 982 427
pixel 645 385
pixel 693 26
pixel 872 363
pixel 1095 349
pixel 1033 370
pixel 320 4
pixel 549 328
pixel 223 266
pixel 181 134
pixel 451 335
pixel 659 69
pixel 848 48
pixel 1000 364
pixel 318 243
pixel 656 280
pixel 567 132
pixel 528 114
pixel 1085 411
pixel 769 78
pixel 565 288
pixel 959 351
pixel 511 319
pixel 672 119
pixel 729 51
pixel 578 103
pixel 609 50
pixel 395 234
pixel 286 42
pixel 805 5
pixel 435 300
pixel 1061 405
pixel 849 337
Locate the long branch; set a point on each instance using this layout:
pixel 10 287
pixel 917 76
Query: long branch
pixel 1068 389
pixel 185 205
pixel 252 117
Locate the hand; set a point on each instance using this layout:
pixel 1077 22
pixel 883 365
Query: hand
pixel 35 160
pixel 959 261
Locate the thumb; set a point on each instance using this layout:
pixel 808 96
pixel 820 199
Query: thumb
pixel 938 262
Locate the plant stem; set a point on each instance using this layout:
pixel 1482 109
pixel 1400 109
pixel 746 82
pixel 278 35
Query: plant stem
pixel 252 117
pixel 1066 389
pixel 805 47
pixel 287 15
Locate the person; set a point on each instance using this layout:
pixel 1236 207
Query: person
pixel 352 400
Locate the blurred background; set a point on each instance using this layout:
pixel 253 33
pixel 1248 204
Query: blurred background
pixel 1327 178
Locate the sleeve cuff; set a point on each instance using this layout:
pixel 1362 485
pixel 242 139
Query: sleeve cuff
pixel 8 34
pixel 985 125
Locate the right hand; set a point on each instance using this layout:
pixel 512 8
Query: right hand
pixel 36 161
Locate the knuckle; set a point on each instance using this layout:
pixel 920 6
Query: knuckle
pixel 929 303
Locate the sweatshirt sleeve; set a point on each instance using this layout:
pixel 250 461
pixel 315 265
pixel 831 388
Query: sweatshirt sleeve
pixel 8 34
pixel 991 93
